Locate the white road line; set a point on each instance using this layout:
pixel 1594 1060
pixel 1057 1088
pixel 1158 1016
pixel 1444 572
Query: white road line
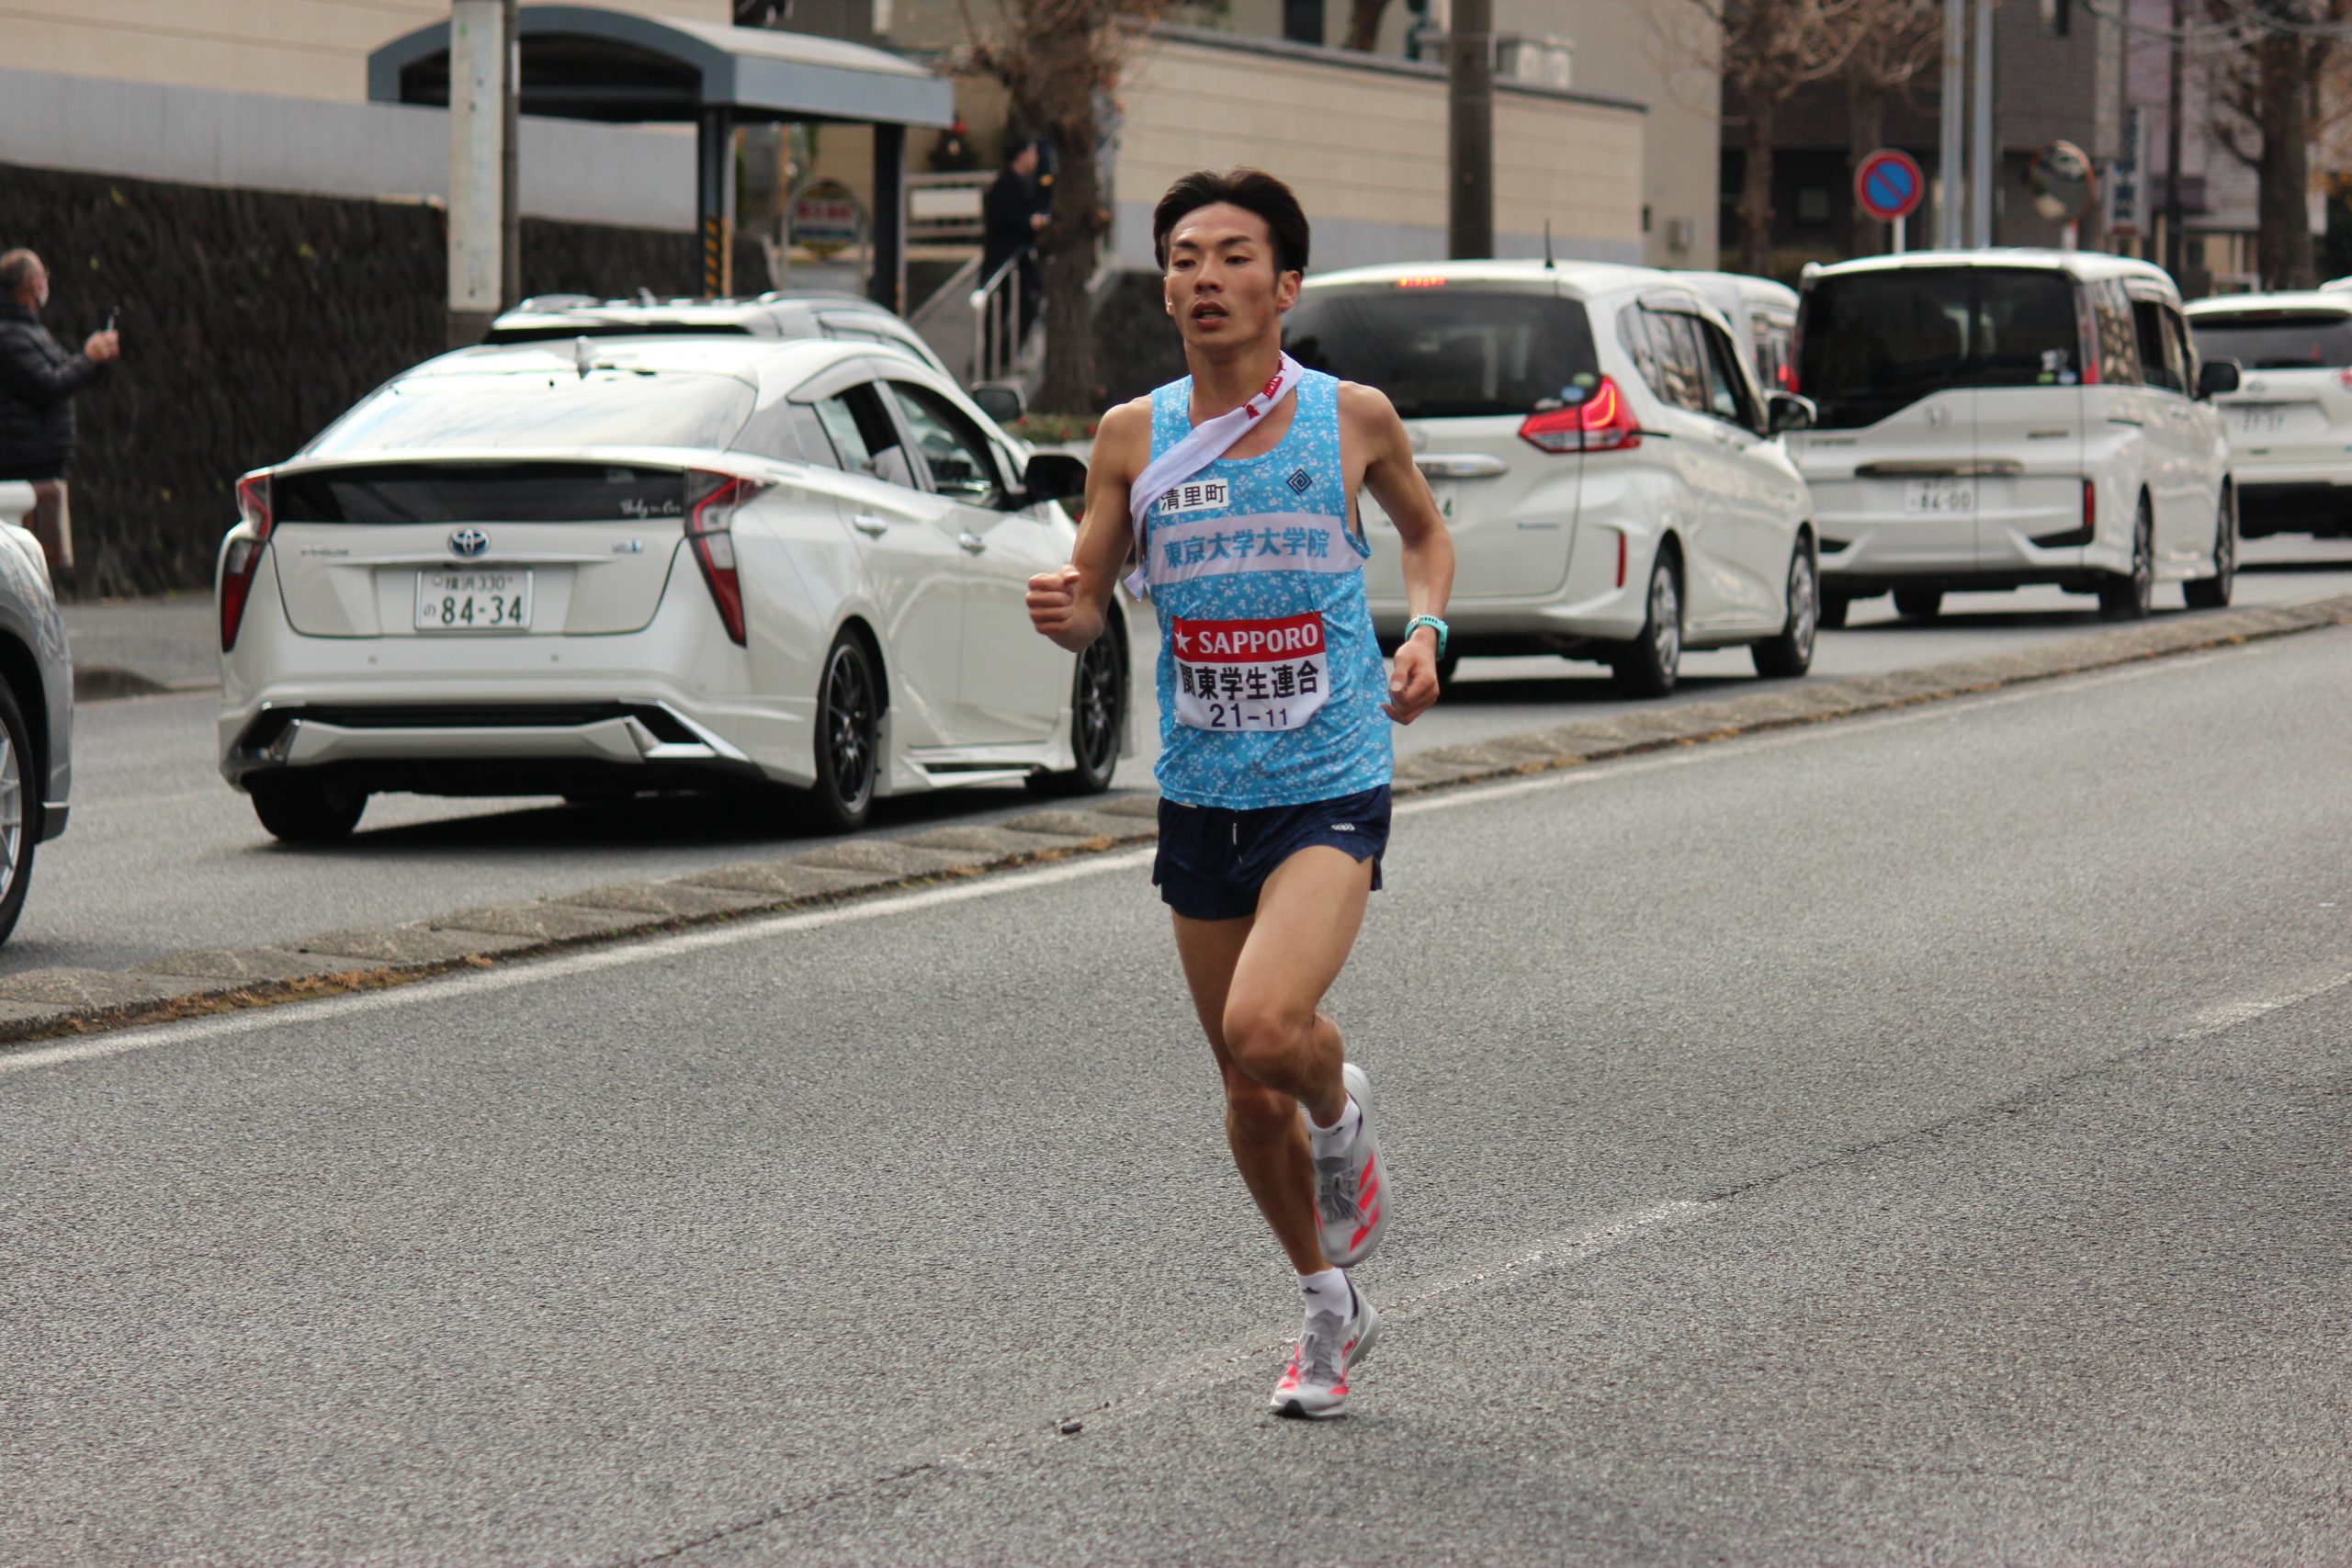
pixel 2221 1020
pixel 531 972
pixel 562 965
pixel 1555 1252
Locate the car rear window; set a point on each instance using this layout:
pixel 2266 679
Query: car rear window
pixel 2314 342
pixel 469 492
pixel 1446 352
pixel 1869 344
pixel 559 409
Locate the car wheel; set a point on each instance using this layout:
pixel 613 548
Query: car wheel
pixel 1833 609
pixel 849 735
pixel 1098 705
pixel 1790 653
pixel 17 833
pixel 1648 666
pixel 1921 603
pixel 2214 592
pixel 303 809
pixel 2126 598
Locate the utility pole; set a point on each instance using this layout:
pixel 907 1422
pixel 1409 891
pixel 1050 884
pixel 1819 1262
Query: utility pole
pixel 1949 233
pixel 1982 159
pixel 1470 105
pixel 2175 241
pixel 485 248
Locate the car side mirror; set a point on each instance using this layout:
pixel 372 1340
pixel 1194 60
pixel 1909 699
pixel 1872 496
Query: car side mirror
pixel 1785 412
pixel 1053 476
pixel 999 401
pixel 2218 375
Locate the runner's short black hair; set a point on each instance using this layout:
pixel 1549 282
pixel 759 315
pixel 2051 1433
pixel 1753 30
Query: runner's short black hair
pixel 1252 190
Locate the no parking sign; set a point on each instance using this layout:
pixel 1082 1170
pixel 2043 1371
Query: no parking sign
pixel 1888 185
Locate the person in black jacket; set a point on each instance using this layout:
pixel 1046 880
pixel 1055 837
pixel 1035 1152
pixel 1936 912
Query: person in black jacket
pixel 1012 213
pixel 38 378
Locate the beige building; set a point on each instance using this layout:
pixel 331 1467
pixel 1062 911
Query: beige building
pixel 1363 140
pixel 298 48
pixel 272 95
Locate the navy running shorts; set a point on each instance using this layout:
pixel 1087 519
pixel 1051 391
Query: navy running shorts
pixel 1212 862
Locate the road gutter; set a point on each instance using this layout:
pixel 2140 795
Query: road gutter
pixel 46 1004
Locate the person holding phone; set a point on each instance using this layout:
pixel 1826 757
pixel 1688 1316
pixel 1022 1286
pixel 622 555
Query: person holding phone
pixel 38 380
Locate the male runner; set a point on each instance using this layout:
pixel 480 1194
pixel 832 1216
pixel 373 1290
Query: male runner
pixel 1274 762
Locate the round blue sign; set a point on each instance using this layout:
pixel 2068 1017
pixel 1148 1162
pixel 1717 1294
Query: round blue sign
pixel 1888 184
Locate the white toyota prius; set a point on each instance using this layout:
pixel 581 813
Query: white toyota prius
pixel 602 567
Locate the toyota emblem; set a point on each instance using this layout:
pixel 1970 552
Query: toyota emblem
pixel 469 542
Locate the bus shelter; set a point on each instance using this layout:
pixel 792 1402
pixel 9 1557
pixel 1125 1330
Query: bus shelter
pixel 585 62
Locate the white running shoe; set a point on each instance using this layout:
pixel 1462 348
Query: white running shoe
pixel 1315 1386
pixel 1352 1196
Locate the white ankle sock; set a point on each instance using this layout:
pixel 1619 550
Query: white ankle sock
pixel 1328 1291
pixel 1324 1141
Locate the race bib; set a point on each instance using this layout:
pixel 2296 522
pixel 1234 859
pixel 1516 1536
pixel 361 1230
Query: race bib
pixel 1249 675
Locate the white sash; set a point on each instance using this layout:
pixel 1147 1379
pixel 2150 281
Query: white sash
pixel 1207 443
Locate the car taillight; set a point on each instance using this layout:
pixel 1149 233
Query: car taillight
pixel 2343 378
pixel 244 556
pixel 711 500
pixel 2090 511
pixel 1602 423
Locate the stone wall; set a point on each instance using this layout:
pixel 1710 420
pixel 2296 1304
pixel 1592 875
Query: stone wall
pixel 249 321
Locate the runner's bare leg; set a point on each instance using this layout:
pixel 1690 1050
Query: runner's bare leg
pixel 1256 983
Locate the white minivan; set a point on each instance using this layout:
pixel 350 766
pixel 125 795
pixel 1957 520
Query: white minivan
pixel 1616 482
pixel 2290 418
pixel 1999 418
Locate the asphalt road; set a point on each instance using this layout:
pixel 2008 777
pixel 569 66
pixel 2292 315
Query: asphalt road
pixel 1912 1140
pixel 162 856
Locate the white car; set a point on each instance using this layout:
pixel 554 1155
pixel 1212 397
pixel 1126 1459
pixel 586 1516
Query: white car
pixel 2290 418
pixel 603 567
pixel 1763 316
pixel 1992 419
pixel 1613 474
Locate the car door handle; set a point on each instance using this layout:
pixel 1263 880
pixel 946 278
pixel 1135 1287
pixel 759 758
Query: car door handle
pixel 973 543
pixel 872 527
pixel 1460 464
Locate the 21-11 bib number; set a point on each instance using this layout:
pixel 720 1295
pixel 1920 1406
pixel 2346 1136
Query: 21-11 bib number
pixel 1238 676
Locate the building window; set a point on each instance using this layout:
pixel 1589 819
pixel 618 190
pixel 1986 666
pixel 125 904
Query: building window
pixel 1302 20
pixel 1812 204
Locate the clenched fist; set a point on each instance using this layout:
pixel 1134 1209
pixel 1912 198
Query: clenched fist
pixel 1055 610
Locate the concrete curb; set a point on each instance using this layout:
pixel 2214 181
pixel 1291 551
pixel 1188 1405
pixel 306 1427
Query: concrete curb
pixel 105 683
pixel 48 1003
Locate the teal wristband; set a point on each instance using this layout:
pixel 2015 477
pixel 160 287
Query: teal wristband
pixel 1417 622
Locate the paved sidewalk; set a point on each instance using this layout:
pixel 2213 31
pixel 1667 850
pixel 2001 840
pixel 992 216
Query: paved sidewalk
pixel 44 1003
pixel 136 648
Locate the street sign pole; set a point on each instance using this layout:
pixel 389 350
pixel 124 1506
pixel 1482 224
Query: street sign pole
pixel 1888 185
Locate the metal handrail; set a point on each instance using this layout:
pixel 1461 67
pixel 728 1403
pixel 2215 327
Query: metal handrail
pixel 996 334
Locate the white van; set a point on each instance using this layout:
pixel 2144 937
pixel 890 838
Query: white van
pixel 1763 317
pixel 2290 418
pixel 1993 419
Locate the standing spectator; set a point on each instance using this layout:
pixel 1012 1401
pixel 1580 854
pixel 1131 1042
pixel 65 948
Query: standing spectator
pixel 38 380
pixel 1012 214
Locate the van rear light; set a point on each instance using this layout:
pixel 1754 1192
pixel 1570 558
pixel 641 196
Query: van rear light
pixel 243 557
pixel 2090 511
pixel 2343 378
pixel 1602 423
pixel 711 500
